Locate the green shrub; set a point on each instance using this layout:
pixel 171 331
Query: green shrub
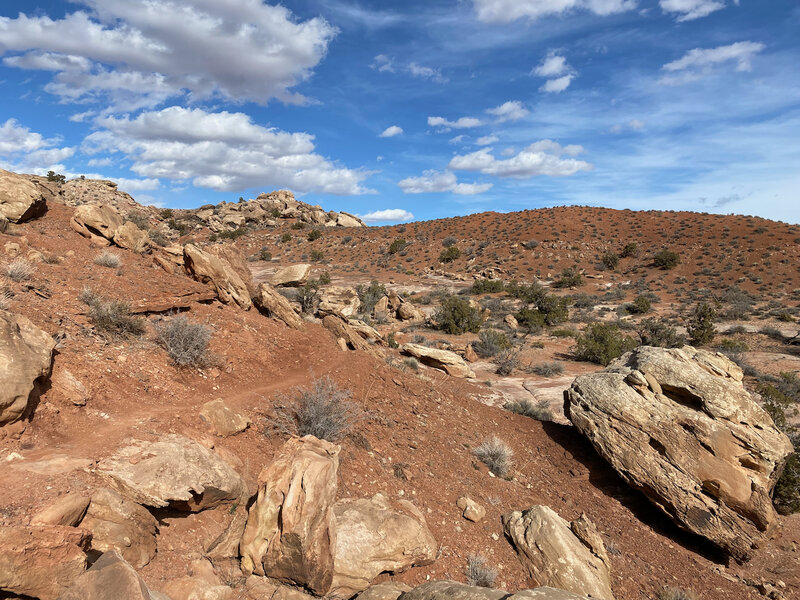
pixel 486 286
pixel 298 225
pixel 630 249
pixel 602 343
pixel 449 254
pixel 314 234
pixel 640 306
pixel 530 294
pixel 701 324
pixel 179 226
pixel 370 295
pixel 666 259
pixel 317 255
pixel 730 345
pixel 539 411
pixel 397 245
pixel 166 213
pixel 286 237
pixel 657 333
pixel 781 398
pixel 530 319
pixel 159 239
pixel 456 316
pixel 232 234
pixel 610 260
pixel 56 177
pixel 264 254
pixel 569 278
pixel 491 343
pixel 324 278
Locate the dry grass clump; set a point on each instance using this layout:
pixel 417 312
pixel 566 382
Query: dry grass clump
pixel 112 316
pixel 185 342
pixel 323 410
pixel 479 572
pixel 539 411
pixel 108 259
pixel 19 270
pixel 5 299
pixel 496 455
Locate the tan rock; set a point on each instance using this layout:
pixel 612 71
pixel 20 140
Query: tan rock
pixel 65 385
pixel 222 419
pixel 120 524
pixel 511 321
pixel 678 425
pixel 347 220
pixel 26 355
pixel 202 583
pixel 408 312
pixel 449 362
pixel 292 276
pixel 471 510
pixel 340 301
pixel 11 249
pixel 373 536
pixel 41 561
pixel 290 533
pixel 554 556
pixel 370 334
pixel 110 578
pixel 173 471
pixel 236 259
pixel 217 272
pixel 20 199
pixel 450 590
pixel 260 588
pixel 268 300
pixel 384 591
pixel 342 330
pixel 129 236
pixel 96 221
pixel 67 510
pixel 381 306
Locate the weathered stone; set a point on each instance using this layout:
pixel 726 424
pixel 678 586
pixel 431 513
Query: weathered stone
pixel 291 276
pixel 372 537
pixel 20 199
pixel 471 510
pixel 222 419
pixel 381 306
pixel 450 590
pixel 41 561
pixel 129 236
pixel 96 221
pixel 290 533
pixel 260 588
pixel 202 583
pixel 347 220
pixel 370 334
pixel 120 524
pixel 554 556
pixel 67 510
pixel 449 362
pixel 26 356
pixel 235 258
pixel 275 305
pixel 384 591
pixel 678 425
pixel 340 301
pixel 511 321
pixel 65 385
pixel 173 471
pixel 110 578
pixel 342 330
pixel 408 312
pixel 207 268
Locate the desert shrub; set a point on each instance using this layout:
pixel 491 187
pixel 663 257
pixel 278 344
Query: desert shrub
pixel 314 234
pixel 56 177
pixel 286 237
pixel 496 455
pixel 19 269
pixel 264 254
pixel 569 278
pixel 411 362
pixel 491 343
pixel 640 306
pixel 232 234
pixel 547 369
pixel 166 213
pixel 158 238
pixel 449 254
pixel 533 293
pixel 677 594
pixel 610 260
pixel 564 333
pixel 730 345
pixel 486 286
pixel 584 300
pixel 5 299
pixel 322 410
pixel 738 303
pixel 539 411
pixel 317 255
pixel 601 343
pixel 139 219
pixel 370 295
pixel 114 317
pixel 506 362
pixel 449 241
pixel 186 343
pixel 531 244
pixel 308 296
pixel 347 239
pixel 701 324
pixel 666 259
pixel 298 225
pixel 179 226
pixel 108 259
pixel 455 316
pixel 479 572
pixel 628 250
pixel 324 278
pixel 781 397
pixel 657 333
pixel 530 319
pixel 397 245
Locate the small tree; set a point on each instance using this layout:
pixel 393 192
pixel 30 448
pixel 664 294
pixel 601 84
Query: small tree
pixel 370 295
pixel 666 259
pixel 640 306
pixel 610 260
pixel 314 234
pixel 701 324
pixel 630 249
pixel 456 316
pixel 569 278
pixel 449 254
pixel 397 245
pixel 55 177
pixel 602 343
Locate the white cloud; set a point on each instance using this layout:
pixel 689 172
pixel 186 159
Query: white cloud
pixel 458 139
pixel 556 86
pixel 689 10
pixel 541 158
pixel 16 138
pixel 462 123
pixel 699 62
pixel 134 185
pixel 487 140
pixel 100 162
pixel 558 73
pixel 389 214
pixel 633 125
pixel 222 151
pixel 391 131
pixel 138 54
pixel 29 152
pixel 383 64
pixel 441 181
pixel 387 64
pixel 509 111
pixel 505 11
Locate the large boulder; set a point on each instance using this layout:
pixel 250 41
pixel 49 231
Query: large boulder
pixel 217 272
pixel 290 533
pixel 291 276
pixel 449 362
pixel 347 220
pixel 129 236
pixel 268 300
pixel 384 591
pixel 222 419
pixel 117 523
pixel 678 425
pixel 450 590
pixel 41 561
pixel 26 356
pixel 110 578
pixel 173 471
pixel 20 199
pixel 350 339
pixel 67 510
pixel 340 301
pixel 558 554
pixel 408 312
pixel 372 537
pixel 98 222
pixel 235 258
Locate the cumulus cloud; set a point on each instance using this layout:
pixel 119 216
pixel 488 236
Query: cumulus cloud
pixel 441 181
pixel 28 151
pixel 135 54
pixel 391 131
pixel 505 11
pixel 220 150
pixel 509 111
pixel 386 215
pixel 386 64
pixel 487 140
pixel 556 86
pixel 699 62
pixel 540 158
pixel 688 10
pixel 558 73
pixel 462 123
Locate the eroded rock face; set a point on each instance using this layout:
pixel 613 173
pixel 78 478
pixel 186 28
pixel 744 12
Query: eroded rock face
pixel 217 272
pixel 372 537
pixel 450 590
pixel 222 419
pixel 26 356
pixel 20 199
pixel 67 510
pixel 173 471
pixel 350 338
pixel 384 591
pixel 340 301
pixel 41 561
pixel 110 578
pixel 449 362
pixel 290 533
pixel 678 425
pixel 98 222
pixel 270 301
pixel 556 556
pixel 129 236
pixel 291 276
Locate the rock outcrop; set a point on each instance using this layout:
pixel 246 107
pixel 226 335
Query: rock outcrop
pixel 98 222
pixel 444 360
pixel 217 272
pixel 67 510
pixel 290 533
pixel 349 338
pixel 26 356
pixel 222 419
pixel 679 426
pixel 110 578
pixel 130 237
pixel 559 554
pixel 291 276
pixel 20 199
pixel 340 301
pixel 268 300
pixel 174 471
pixel 384 591
pixel 372 537
pixel 450 590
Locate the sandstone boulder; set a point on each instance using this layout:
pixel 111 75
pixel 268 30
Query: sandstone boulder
pixel 384 591
pixel 110 578
pixel 65 385
pixel 471 510
pixel 275 305
pixel 129 236
pixel 20 199
pixel 173 471
pixel 236 259
pixel 555 556
pixel 347 220
pixel 352 340
pixel 98 222
pixel 26 356
pixel 449 362
pixel 678 425
pixel 223 420
pixel 340 301
pixel 117 523
pixel 41 561
pixel 450 590
pixel 217 272
pixel 67 510
pixel 408 312
pixel 372 537
pixel 370 334
pixel 291 276
pixel 290 533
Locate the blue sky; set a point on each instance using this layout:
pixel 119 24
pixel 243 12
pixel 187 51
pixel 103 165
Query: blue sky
pixel 420 109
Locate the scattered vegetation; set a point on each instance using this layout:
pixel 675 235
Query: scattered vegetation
pixel 629 250
pixel 491 342
pixel 56 177
pixel 314 234
pixel 108 259
pixel 547 369
pixel 569 278
pixel 653 332
pixel 370 295
pixel 323 410
pixel 19 270
pixel 479 572
pixel 112 317
pixel 495 454
pixel 666 259
pixel 602 343
pixel 610 260
pixel 539 411
pixel 640 306
pixel 185 342
pixel 397 245
pixel 449 254
pixel 456 316
pixel 486 286
pixel 507 361
pixel 701 324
